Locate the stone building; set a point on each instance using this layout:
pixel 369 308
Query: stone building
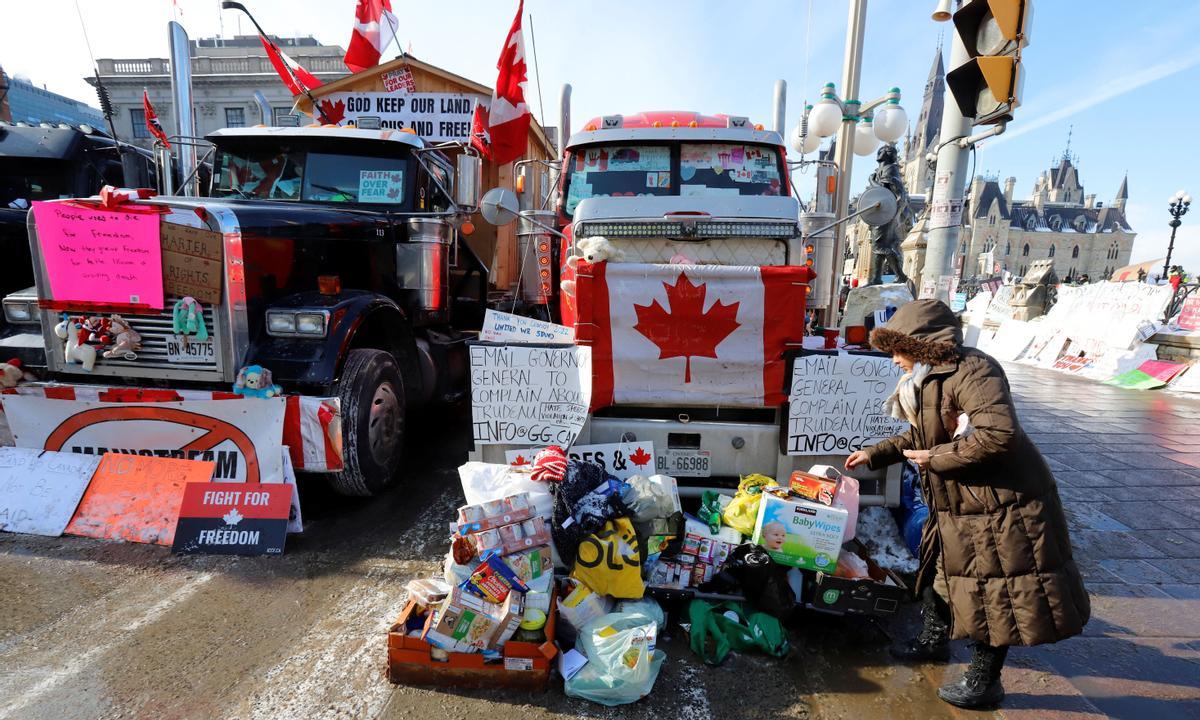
pixel 225 74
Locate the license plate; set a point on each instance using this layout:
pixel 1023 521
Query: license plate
pixel 685 463
pixel 193 351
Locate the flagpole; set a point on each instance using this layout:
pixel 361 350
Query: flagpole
pixel 233 5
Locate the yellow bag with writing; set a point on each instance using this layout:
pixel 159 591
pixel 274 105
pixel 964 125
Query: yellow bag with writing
pixel 742 512
pixel 609 561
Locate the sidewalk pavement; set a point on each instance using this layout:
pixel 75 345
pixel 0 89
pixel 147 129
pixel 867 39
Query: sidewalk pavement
pixel 1128 469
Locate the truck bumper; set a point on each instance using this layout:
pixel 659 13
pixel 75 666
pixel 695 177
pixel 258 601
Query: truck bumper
pixel 735 449
pixel 25 343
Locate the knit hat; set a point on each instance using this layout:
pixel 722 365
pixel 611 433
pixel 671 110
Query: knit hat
pixel 550 465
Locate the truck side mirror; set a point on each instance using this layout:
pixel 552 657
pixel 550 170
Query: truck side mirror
pixel 467 181
pixel 499 206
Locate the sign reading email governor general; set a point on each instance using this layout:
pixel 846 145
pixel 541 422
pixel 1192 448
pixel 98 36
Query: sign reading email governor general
pixel 836 403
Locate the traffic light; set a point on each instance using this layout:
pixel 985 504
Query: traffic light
pixel 987 87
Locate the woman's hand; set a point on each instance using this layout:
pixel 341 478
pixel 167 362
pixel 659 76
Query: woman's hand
pixel 858 457
pixel 920 457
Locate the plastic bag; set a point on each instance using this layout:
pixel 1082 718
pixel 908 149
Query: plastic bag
pixel 609 561
pixel 750 571
pixel 710 510
pixel 622 660
pixel 484 482
pixel 847 499
pixel 729 627
pixel 652 497
pixel 645 606
pixel 742 512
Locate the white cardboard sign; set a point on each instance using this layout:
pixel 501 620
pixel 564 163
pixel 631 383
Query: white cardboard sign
pixel 242 437
pixel 621 460
pixel 505 327
pixel 39 491
pixel 439 117
pixel 836 403
pixel 529 396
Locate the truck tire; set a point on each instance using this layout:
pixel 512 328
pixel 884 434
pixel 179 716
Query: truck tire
pixel 373 418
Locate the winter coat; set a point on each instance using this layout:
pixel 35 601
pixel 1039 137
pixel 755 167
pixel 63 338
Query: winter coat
pixel 996 520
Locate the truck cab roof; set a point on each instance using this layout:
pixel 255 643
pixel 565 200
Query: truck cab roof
pixel 682 125
pixel 319 132
pixel 45 143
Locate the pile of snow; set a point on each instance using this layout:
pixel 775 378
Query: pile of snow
pixel 877 530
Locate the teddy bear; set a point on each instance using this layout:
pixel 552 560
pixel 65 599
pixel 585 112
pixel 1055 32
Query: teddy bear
pixel 593 250
pixel 255 381
pixel 12 373
pixel 128 340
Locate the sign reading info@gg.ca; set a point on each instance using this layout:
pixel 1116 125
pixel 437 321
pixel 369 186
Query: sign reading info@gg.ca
pixel 836 403
pixel 529 396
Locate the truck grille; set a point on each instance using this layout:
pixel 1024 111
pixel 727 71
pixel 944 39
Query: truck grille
pixel 722 251
pixel 156 329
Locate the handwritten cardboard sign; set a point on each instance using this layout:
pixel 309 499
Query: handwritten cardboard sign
pixel 836 403
pixel 1189 316
pixel 233 519
pixel 136 497
pixel 100 256
pixel 529 396
pixel 504 327
pixel 1162 369
pixel 40 490
pixel 621 460
pixel 191 259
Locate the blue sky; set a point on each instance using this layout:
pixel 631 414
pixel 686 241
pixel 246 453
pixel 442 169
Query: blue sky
pixel 1123 74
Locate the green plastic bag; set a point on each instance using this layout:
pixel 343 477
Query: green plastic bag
pixel 710 510
pixel 742 512
pixel 715 632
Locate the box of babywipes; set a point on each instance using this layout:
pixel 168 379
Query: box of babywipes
pixel 800 533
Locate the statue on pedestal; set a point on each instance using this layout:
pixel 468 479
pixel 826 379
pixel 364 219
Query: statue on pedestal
pixel 886 238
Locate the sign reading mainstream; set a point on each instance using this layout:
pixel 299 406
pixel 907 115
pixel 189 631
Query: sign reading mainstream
pixel 440 117
pixel 223 519
pixel 39 490
pixel 836 403
pixel 529 396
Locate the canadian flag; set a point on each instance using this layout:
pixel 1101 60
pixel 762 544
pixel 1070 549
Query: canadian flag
pixel 374 30
pixel 689 334
pixel 296 78
pixel 508 117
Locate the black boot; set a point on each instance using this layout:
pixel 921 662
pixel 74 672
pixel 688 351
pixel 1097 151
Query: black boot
pixel 933 643
pixel 979 686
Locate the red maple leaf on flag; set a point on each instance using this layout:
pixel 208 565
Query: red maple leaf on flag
pixel 640 457
pixel 519 460
pixel 687 330
pixel 334 112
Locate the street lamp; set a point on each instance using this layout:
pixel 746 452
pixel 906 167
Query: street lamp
pixel 887 124
pixel 1178 207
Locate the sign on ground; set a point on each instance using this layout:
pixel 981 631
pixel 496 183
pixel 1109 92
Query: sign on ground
pixel 39 490
pixel 226 519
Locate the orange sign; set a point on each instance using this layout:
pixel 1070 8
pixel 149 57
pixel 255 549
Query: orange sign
pixel 136 498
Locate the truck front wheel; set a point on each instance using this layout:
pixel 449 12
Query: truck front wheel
pixel 373 415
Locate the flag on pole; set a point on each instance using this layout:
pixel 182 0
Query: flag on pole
pixel 298 80
pixel 152 124
pixel 374 30
pixel 481 138
pixel 508 117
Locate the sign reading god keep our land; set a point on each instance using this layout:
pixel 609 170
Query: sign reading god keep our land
pixel 529 396
pixel 836 403
pixel 439 117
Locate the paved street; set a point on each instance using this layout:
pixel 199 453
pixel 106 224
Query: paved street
pixel 100 630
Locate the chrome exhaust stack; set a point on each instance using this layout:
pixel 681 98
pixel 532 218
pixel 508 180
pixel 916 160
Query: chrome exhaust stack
pixel 181 97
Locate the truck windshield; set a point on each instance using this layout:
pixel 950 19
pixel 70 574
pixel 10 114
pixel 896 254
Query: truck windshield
pixel 291 174
pixel 22 179
pixel 683 169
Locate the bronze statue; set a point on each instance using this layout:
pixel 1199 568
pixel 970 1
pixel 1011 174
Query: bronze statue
pixel 886 238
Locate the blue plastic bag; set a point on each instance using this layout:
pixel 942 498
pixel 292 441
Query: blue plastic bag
pixel 622 660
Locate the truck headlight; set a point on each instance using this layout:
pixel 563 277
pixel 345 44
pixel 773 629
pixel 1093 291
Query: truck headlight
pixel 20 311
pixel 297 323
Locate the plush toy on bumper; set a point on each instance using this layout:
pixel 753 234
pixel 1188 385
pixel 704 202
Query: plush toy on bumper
pixel 75 349
pixel 593 250
pixel 12 373
pixel 255 381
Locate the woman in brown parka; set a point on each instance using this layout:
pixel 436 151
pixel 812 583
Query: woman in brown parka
pixel 996 563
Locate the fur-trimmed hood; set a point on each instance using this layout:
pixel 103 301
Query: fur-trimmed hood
pixel 925 330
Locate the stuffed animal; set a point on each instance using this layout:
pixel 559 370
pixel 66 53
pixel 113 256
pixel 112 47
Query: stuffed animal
pixel 98 329
pixel 187 318
pixel 255 381
pixel 593 250
pixel 128 341
pixel 12 373
pixel 73 349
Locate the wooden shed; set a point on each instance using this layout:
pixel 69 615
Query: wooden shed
pixel 438 105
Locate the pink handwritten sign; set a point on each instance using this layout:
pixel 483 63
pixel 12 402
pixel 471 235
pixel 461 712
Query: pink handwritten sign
pixel 1189 317
pixel 1161 369
pixel 99 256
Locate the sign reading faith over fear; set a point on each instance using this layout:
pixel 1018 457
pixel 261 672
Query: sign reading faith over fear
pixel 440 117
pixel 40 490
pixel 529 396
pixel 836 403
pixel 99 256
pixel 225 519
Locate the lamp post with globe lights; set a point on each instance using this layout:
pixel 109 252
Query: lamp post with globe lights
pixel 1178 207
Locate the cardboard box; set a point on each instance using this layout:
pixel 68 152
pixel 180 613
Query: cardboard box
pixel 799 533
pixel 509 539
pixel 468 623
pixel 879 595
pixel 812 487
pixel 191 262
